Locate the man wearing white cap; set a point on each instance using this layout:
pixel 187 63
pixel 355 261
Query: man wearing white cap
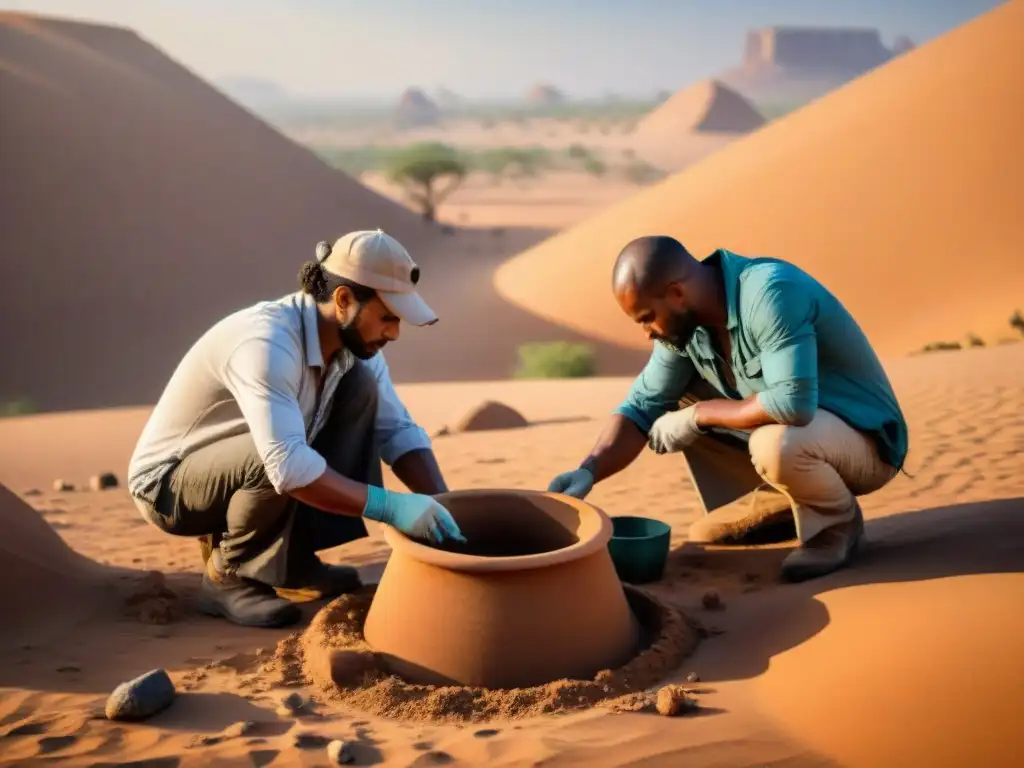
pixel 269 437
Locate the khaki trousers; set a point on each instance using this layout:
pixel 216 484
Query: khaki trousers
pixel 821 468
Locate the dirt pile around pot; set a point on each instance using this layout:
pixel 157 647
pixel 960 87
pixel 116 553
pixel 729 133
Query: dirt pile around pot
pixel 333 656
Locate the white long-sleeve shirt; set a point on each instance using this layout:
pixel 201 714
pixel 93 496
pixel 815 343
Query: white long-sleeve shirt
pixel 258 371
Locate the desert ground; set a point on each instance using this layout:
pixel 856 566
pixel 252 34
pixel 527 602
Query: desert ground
pixel 897 190
pixel 909 658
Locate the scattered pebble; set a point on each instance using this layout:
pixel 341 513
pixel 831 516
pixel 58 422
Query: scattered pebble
pixel 62 485
pixel 340 752
pixel 69 668
pixel 291 704
pixel 693 677
pixel 672 700
pixel 712 601
pixel 102 481
pixel 33 492
pixel 239 729
pixel 141 697
pixel 485 733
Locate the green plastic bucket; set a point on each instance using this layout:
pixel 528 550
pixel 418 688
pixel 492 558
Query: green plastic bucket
pixel 639 548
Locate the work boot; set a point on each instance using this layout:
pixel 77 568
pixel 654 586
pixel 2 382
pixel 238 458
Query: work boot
pixel 826 552
pixel 314 575
pixel 757 512
pixel 243 601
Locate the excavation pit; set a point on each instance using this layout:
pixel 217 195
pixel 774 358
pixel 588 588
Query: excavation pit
pixel 527 618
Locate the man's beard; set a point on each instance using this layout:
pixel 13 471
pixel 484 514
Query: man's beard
pixel 353 341
pixel 681 327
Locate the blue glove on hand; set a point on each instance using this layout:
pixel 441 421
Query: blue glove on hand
pixel 577 483
pixel 414 514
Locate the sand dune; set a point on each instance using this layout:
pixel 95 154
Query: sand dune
pixel 708 106
pixel 140 205
pixel 899 191
pixel 909 658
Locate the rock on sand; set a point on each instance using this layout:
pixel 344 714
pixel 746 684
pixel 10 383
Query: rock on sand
pixel 142 697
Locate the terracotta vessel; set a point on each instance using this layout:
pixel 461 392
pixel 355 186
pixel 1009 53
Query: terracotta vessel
pixel 532 597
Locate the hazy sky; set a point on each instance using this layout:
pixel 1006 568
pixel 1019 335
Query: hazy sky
pixel 484 47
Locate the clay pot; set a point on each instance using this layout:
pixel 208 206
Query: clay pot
pixel 532 597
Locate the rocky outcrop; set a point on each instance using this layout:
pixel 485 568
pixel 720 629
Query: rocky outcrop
pixel 795 64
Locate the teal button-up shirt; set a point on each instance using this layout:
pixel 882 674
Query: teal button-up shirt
pixel 794 345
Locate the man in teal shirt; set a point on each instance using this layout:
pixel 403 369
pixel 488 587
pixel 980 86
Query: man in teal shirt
pixel 752 356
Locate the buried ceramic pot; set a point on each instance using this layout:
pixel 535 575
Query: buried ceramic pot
pixel 530 598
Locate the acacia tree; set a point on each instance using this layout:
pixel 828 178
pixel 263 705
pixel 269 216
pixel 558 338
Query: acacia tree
pixel 428 173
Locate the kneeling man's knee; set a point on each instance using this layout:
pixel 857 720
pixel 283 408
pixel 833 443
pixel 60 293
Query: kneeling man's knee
pixel 775 449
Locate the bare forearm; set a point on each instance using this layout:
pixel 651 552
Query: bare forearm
pixel 619 444
pixel 334 493
pixel 732 414
pixel 420 473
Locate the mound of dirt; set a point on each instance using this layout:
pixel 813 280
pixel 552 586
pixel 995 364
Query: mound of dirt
pixel 40 575
pixel 333 656
pixel 488 415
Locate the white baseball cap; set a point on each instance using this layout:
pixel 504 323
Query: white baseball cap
pixel 377 260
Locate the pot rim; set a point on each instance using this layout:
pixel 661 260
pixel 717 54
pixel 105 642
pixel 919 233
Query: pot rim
pixel 456 561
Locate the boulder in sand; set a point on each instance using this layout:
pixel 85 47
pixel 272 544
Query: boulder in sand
pixel 142 697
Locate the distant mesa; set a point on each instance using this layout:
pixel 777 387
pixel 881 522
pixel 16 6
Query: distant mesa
pixel 253 91
pixel 416 110
pixel 797 64
pixel 545 95
pixel 707 107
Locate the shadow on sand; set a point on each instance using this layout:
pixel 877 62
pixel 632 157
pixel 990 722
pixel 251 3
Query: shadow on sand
pixel 957 540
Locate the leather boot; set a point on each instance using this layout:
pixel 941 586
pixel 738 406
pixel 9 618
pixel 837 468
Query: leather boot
pixel 243 601
pixel 829 551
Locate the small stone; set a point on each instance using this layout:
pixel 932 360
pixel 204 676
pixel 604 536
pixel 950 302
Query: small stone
pixel 239 729
pixel 142 697
pixel 693 677
pixel 310 741
pixel 340 752
pixel 103 481
pixel 33 492
pixel 292 703
pixel 712 601
pixel 672 700
pixel 62 485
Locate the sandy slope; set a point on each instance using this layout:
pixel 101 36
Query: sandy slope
pixel 898 191
pixel 161 206
pixel 911 658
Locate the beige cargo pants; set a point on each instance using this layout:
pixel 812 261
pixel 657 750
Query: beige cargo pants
pixel 820 468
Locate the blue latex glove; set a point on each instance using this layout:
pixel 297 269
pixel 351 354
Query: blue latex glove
pixel 577 483
pixel 414 514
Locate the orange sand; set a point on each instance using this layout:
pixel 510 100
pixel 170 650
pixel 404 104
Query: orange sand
pixel 899 191
pixel 910 658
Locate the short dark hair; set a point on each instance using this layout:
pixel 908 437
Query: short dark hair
pixel 321 284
